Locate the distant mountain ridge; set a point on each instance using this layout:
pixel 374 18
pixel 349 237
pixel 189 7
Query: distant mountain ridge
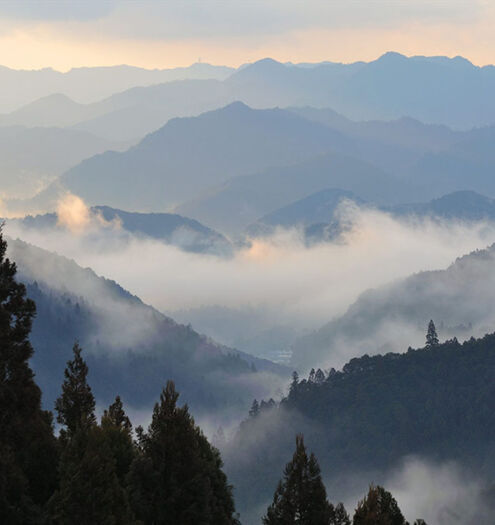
pixel 190 155
pixel 435 90
pixel 317 208
pixel 90 84
pixel 186 234
pixel 320 208
pixel 32 157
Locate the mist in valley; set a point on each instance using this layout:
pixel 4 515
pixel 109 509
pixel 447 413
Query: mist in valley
pixel 268 283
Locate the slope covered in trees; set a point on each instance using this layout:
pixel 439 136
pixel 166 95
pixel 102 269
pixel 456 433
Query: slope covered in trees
pixel 94 473
pixel 131 347
pixel 433 402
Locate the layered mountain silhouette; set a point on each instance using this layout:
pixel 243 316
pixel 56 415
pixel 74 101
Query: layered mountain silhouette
pixel 90 84
pixel 31 158
pixel 229 167
pixel 187 234
pixel 317 208
pixel 189 155
pixel 322 209
pixel 125 103
pixel 239 202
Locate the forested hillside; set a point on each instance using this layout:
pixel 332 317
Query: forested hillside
pixel 130 346
pixel 434 402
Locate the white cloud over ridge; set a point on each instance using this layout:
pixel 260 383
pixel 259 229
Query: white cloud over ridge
pixel 290 282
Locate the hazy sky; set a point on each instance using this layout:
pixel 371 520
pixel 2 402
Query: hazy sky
pixel 154 33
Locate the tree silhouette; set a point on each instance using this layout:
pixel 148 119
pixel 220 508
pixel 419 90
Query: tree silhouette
pixel 431 335
pixel 300 497
pixel 76 405
pixel 93 457
pixel 379 507
pixel 177 477
pixel 341 517
pixel 28 453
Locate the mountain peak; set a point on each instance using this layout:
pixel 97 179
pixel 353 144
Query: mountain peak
pixel 391 56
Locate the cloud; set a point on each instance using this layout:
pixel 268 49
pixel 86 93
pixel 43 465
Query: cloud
pixel 216 18
pixel 74 215
pixel 152 33
pixel 287 282
pixel 56 9
pixel 443 494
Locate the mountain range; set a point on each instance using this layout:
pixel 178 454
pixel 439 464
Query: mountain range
pixel 31 158
pixel 186 234
pixel 189 155
pixel 90 84
pixel 229 167
pixel 435 90
pixel 321 210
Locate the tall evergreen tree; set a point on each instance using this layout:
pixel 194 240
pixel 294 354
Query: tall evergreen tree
pixel 90 491
pixel 379 507
pixel 300 497
pixel 177 477
pixel 255 409
pixel 28 449
pixel 341 517
pixel 76 405
pixel 90 488
pixel 117 430
pixel 431 335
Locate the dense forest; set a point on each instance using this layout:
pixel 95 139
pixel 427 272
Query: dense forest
pixel 434 402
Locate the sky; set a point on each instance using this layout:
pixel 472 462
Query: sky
pixel 159 34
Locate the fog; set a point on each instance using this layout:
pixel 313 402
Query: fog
pixel 290 283
pixel 443 494
pixel 439 493
pixel 280 276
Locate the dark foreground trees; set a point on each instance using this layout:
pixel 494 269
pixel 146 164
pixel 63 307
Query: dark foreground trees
pixel 176 477
pixel 88 473
pixel 90 489
pixel 171 475
pixel 28 450
pixel 300 497
pixel 379 507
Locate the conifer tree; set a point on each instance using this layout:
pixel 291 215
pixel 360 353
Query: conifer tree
pixel 177 478
pixel 90 488
pixel 28 452
pixel 341 517
pixel 431 335
pixel 117 430
pixel 255 408
pixel 300 497
pixel 293 386
pixel 90 491
pixel 76 405
pixel 379 507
